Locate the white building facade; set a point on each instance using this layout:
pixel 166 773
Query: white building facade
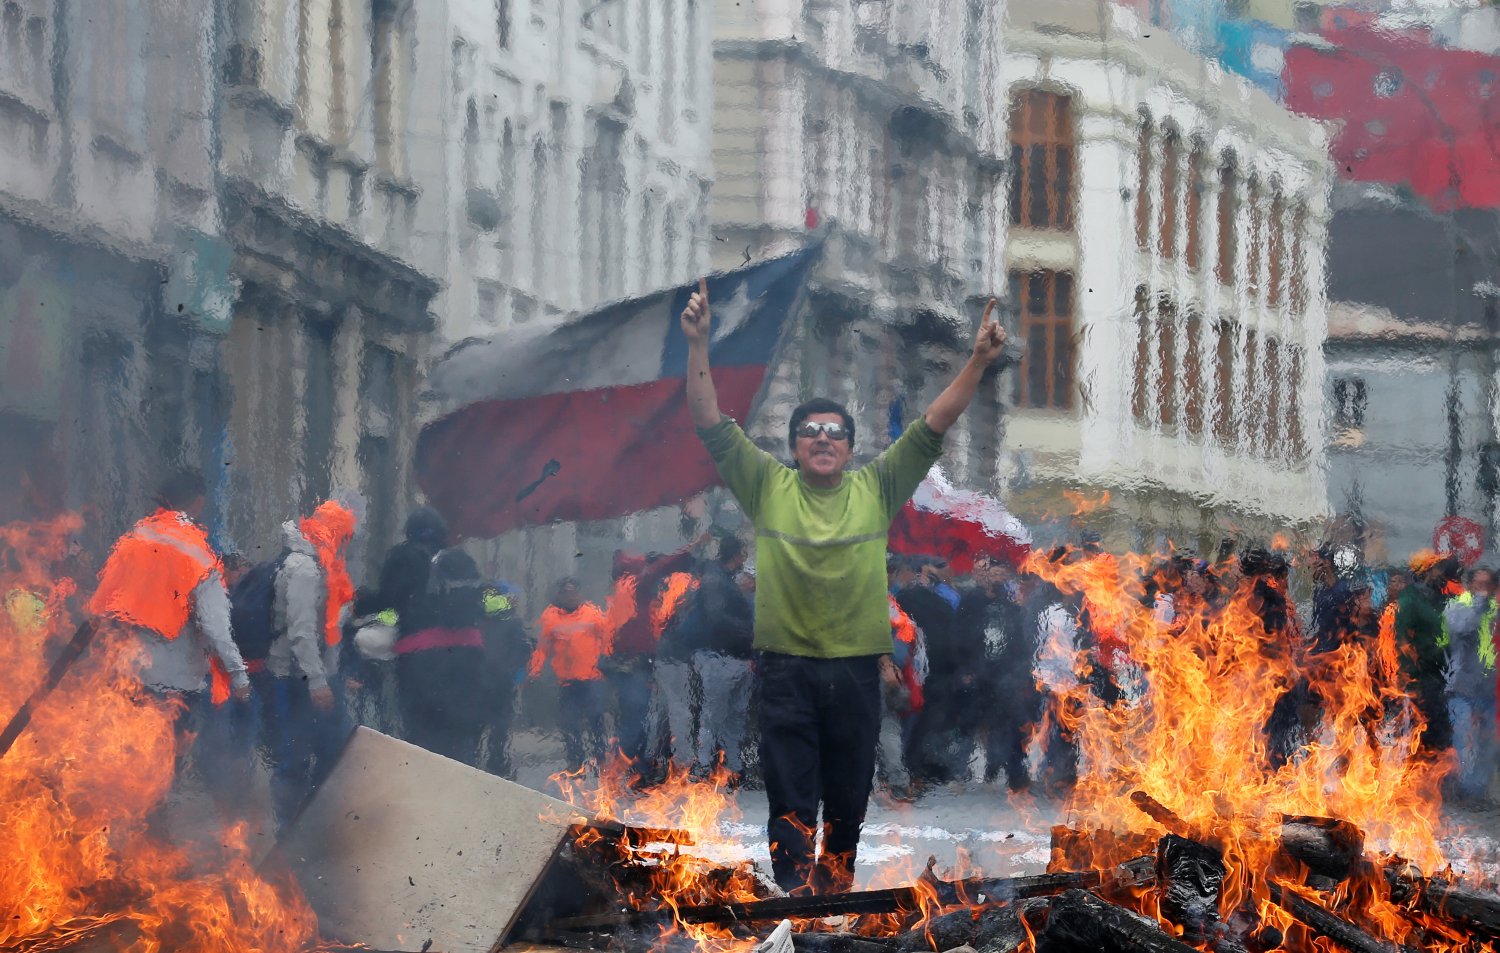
pixel 876 127
pixel 1164 253
pixel 578 155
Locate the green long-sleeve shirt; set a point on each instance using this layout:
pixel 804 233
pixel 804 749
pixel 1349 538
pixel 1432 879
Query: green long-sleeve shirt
pixel 820 582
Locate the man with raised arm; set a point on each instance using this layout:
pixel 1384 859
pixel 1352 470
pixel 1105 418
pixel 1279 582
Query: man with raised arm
pixel 822 625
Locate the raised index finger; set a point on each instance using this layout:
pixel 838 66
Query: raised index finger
pixel 703 288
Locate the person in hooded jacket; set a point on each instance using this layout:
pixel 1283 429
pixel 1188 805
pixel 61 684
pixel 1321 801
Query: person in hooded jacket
pixel 403 577
pixel 403 574
pixel 305 716
pixel 440 659
pixel 999 648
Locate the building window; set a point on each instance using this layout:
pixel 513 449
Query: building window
pixel 1192 377
pixel 1045 380
pixel 1171 158
pixel 1166 345
pixel 1196 187
pixel 1274 448
pixel 23 54
pixel 487 305
pixel 1298 290
pixel 650 241
pixel 471 146
pixel 1143 186
pixel 323 79
pixel 1295 438
pixel 1255 405
pixel 1349 399
pixel 540 238
pixel 1257 236
pixel 693 58
pixel 670 55
pixel 318 400
pixel 603 207
pixel 388 74
pixel 1224 383
pixel 1041 152
pixel 1229 206
pixel 1276 254
pixel 1140 392
pixel 509 159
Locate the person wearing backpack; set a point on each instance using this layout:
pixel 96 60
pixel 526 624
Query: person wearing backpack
pixel 312 592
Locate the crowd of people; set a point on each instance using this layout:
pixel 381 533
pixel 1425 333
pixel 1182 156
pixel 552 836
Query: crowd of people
pixel 858 663
pixel 282 658
pixel 663 673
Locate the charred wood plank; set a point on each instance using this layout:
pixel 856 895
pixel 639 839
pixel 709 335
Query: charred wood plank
pixel 1329 846
pixel 1081 921
pixel 1163 815
pixel 1327 923
pixel 1191 876
pixel 891 900
pixel 615 832
pixel 990 929
pixel 1477 911
pixel 838 943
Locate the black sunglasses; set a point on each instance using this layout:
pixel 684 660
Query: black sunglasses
pixel 811 428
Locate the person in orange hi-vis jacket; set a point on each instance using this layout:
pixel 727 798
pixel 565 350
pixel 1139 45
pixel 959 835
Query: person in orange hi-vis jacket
pixel 305 716
pixel 164 581
pixel 574 636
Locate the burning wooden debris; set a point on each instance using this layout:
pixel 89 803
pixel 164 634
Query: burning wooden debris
pixel 1321 891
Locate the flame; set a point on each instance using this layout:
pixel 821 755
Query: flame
pixel 681 811
pixel 1084 504
pixel 1169 712
pixel 1188 729
pixel 78 860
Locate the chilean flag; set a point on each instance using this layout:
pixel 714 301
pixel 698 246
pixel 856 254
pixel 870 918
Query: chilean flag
pixel 589 420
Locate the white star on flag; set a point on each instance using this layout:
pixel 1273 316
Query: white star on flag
pixel 732 314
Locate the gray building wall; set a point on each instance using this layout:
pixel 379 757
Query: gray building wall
pixel 1408 422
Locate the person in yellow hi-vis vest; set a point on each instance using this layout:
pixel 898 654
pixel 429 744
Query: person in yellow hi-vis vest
pixel 1469 681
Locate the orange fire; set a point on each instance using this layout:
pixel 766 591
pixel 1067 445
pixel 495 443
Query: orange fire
pixel 714 872
pixel 1084 504
pixel 1190 732
pixel 78 860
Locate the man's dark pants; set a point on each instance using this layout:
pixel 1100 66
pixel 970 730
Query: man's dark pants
pixel 819 725
pixel 580 714
pixel 631 681
pixel 304 742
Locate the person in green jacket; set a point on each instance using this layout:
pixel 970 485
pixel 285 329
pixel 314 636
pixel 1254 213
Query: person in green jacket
pixel 1423 645
pixel 822 625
